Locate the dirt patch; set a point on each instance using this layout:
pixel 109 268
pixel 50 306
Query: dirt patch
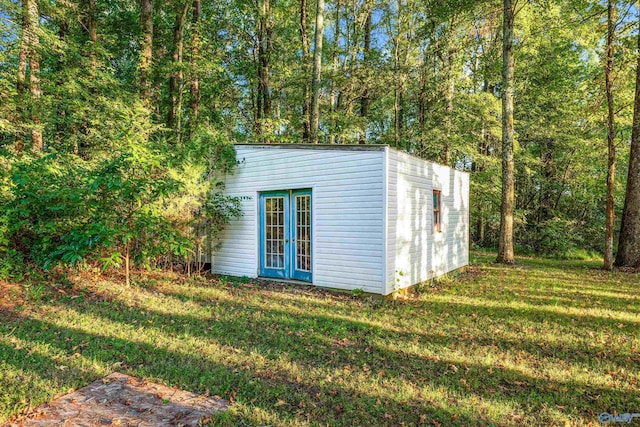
pixel 10 297
pixel 121 400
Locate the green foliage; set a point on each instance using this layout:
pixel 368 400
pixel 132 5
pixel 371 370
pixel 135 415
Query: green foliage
pixel 62 209
pixel 35 293
pixel 428 83
pixel 357 292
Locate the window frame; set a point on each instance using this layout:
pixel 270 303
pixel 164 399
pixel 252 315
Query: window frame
pixel 437 212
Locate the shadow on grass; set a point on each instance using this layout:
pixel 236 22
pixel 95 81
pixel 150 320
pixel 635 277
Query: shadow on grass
pixel 341 405
pixel 272 352
pixel 276 334
pixel 536 313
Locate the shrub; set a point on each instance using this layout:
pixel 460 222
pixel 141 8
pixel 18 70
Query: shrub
pixel 139 205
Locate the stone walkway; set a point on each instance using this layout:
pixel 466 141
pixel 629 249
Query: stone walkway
pixel 124 401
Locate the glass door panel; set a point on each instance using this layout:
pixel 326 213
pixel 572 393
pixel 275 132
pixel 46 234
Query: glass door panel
pixel 302 235
pixel 285 234
pixel 274 234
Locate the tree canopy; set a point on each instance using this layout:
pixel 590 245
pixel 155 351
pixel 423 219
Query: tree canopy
pixel 135 105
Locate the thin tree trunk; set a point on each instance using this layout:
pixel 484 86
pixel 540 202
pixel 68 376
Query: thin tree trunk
pixel 306 103
pixel 177 74
pixel 264 53
pixel 449 94
pixel 317 72
pixel 21 83
pixel 146 52
pixel 194 84
pixel 334 60
pixel 611 158
pixel 61 111
pixel 93 34
pixel 364 99
pixel 398 97
pixel 505 243
pixel 127 268
pixel 398 107
pixel 258 96
pixel 481 227
pixel 34 76
pixel 88 20
pixel 629 242
pixel 399 78
pixel 422 100
pixel 549 168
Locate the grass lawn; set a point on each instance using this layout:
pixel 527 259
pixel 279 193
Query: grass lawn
pixel 543 343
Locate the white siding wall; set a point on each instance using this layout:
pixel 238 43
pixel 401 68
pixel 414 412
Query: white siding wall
pixel 416 253
pixel 347 205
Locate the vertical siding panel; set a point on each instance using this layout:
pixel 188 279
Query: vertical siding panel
pixel 420 253
pixel 392 218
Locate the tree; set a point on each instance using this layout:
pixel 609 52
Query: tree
pixel 91 27
pixel 317 71
pixel 265 45
pixel 174 119
pixel 30 54
pixel 629 242
pixel 424 76
pixel 364 98
pixel 22 70
pixel 450 81
pixel 194 83
pixel 505 244
pixel 146 52
pixel 306 102
pixel 611 146
pixel 333 98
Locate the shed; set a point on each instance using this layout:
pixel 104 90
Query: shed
pixel 365 217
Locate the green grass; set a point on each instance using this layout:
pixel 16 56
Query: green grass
pixel 542 343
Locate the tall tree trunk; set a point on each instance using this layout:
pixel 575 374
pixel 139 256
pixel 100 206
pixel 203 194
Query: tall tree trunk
pixel 505 242
pixel 21 81
pixel 399 61
pixel 549 168
pixel 611 158
pixel 93 33
pixel 61 111
pixel 87 18
pixel 194 83
pixel 334 60
pixel 127 267
pixel 306 102
pixel 398 93
pixel 398 109
pixel 263 102
pixel 422 100
pixel 146 52
pixel 449 94
pixel 317 72
pixel 629 241
pixel 258 112
pixel 177 74
pixel 34 75
pixel 364 99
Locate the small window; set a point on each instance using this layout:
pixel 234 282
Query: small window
pixel 437 212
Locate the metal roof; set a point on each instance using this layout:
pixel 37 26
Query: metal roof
pixel 345 147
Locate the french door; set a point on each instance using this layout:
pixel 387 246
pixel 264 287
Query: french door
pixel 285 234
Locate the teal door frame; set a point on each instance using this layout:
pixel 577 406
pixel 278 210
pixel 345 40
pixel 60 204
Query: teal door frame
pixel 301 235
pixel 286 247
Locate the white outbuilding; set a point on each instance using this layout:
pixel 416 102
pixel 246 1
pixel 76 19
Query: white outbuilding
pixel 350 217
